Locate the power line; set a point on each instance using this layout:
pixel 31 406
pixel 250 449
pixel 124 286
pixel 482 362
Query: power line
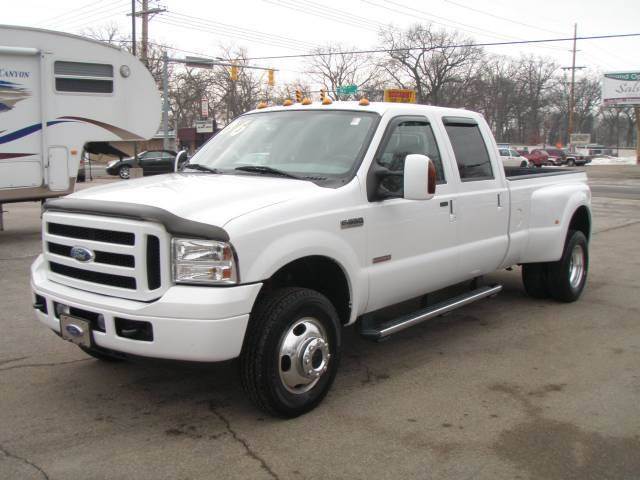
pixel 237 32
pixel 435 47
pixel 244 31
pixel 510 20
pixel 85 16
pixel 208 29
pixel 68 12
pixel 414 12
pixel 339 16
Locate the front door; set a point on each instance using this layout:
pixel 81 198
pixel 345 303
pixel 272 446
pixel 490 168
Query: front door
pixel 411 243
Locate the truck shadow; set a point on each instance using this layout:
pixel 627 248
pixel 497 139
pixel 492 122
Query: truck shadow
pixel 143 389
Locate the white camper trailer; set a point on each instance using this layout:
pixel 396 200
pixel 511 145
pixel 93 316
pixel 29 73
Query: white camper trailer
pixel 58 94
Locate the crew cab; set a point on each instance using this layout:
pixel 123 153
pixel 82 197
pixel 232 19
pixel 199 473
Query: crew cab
pixel 295 222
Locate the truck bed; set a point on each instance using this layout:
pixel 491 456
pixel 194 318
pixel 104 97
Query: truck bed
pixel 521 173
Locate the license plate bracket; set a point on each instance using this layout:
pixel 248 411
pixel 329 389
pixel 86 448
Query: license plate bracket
pixel 76 330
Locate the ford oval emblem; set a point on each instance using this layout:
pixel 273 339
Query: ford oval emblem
pixel 82 254
pixel 74 330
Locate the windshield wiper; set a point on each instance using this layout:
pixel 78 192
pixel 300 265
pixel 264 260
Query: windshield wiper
pixel 267 170
pixel 202 168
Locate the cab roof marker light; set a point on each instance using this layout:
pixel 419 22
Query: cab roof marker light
pixel 306 101
pixel 287 103
pixel 262 104
pixel 364 101
pixel 326 101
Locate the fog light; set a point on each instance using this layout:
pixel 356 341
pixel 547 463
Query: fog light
pixel 61 309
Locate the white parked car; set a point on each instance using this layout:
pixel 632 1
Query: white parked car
pixel 511 158
pixel 294 223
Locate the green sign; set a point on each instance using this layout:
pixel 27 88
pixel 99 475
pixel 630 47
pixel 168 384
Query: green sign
pixel 347 89
pixel 625 76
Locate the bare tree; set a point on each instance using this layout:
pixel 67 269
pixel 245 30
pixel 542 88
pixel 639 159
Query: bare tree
pixel 428 60
pixel 334 66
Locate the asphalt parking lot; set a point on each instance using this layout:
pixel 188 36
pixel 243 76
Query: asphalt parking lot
pixel 507 388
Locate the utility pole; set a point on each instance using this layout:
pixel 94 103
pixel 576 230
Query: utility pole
pixel 572 85
pixel 145 14
pixel 636 110
pixel 165 103
pixel 136 165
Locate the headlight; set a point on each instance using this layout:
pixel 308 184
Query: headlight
pixel 203 261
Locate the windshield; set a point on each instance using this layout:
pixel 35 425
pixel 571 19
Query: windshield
pixel 307 144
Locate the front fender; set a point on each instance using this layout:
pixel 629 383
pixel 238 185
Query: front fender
pixel 294 246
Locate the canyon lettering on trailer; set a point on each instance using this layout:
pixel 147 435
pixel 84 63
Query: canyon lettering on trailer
pixel 296 222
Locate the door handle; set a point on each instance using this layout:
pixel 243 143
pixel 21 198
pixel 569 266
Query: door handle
pixel 444 204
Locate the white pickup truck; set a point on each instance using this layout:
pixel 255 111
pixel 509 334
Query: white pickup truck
pixel 297 221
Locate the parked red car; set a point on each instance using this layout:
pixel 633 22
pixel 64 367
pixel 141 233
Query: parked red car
pixel 537 157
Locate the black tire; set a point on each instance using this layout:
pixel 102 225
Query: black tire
pixel 102 355
pixel 124 172
pixel 534 278
pixel 260 361
pixel 523 164
pixel 566 279
pixel 571 162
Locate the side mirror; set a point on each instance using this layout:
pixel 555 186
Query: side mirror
pixel 419 177
pixel 181 157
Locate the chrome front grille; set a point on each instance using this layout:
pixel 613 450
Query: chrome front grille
pixel 129 258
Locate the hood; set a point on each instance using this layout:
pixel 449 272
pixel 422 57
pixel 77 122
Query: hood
pixel 208 198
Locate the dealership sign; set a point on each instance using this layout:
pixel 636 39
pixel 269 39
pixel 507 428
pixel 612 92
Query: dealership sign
pixel 621 88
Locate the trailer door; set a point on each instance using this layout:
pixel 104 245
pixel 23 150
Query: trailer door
pixel 58 169
pixel 20 118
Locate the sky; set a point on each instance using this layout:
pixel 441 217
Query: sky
pixel 289 27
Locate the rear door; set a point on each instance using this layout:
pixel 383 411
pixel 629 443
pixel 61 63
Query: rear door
pixel 167 162
pixel 481 209
pixel 150 163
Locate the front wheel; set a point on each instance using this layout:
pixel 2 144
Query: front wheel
pixel 571 162
pixel 523 164
pixel 124 172
pixel 291 351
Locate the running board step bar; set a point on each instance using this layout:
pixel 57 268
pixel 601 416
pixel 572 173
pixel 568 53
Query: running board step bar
pixel 384 329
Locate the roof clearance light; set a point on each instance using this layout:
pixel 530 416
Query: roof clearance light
pixel 262 105
pixel 287 103
pixel 364 101
pixel 306 101
pixel 326 101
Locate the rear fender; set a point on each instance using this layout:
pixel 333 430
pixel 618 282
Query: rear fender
pixel 550 218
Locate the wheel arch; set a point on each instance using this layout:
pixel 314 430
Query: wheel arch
pixel 316 272
pixel 581 220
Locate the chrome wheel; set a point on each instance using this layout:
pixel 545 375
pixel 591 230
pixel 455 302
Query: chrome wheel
pixel 124 172
pixel 576 266
pixel 303 355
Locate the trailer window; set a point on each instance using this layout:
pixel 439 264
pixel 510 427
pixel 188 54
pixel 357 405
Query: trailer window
pixel 81 77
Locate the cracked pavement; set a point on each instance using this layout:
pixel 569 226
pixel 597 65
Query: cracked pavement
pixel 506 388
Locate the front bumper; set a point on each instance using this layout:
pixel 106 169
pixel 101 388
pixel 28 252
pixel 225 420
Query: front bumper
pixel 205 324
